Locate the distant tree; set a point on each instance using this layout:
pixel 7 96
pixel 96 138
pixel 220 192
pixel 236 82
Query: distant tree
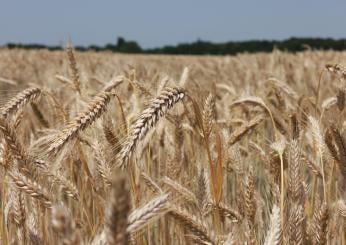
pixel 121 41
pixel 124 46
pixel 200 47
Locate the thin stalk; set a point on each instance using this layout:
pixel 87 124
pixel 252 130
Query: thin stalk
pixel 331 182
pixel 216 213
pixel 282 191
pixel 323 177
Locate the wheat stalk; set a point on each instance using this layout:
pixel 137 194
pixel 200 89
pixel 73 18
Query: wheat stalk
pixel 19 101
pixel 31 188
pixel 320 222
pixel 74 69
pixel 148 118
pixel 181 190
pixel 143 215
pixel 191 223
pixel 274 230
pixel 83 120
pixel 208 115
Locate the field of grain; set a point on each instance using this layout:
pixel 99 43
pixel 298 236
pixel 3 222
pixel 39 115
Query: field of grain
pixel 103 148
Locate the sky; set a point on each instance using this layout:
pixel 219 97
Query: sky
pixel 154 23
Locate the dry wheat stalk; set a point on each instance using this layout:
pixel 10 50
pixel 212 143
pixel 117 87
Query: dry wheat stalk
pixel 249 195
pixel 242 130
pixel 224 211
pixel 66 185
pixel 320 146
pixel 208 115
pixel 102 166
pixel 113 83
pixel 143 215
pixel 191 223
pixel 12 141
pixel 86 118
pixel 320 222
pixel 274 230
pixel 64 80
pixel 283 87
pixel 140 88
pixel 111 136
pixel 150 183
pixel 295 187
pixel 74 69
pixel 257 101
pixel 201 193
pixel 148 118
pixel 295 222
pixel 19 101
pixel 19 210
pixel 340 142
pixel 183 192
pixel 31 188
pixel 315 169
pixel 17 150
pixel 328 138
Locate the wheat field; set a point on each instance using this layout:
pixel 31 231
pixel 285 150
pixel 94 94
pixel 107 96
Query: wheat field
pixel 104 148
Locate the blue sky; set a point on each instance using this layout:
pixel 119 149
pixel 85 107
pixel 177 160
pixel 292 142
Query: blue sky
pixel 155 23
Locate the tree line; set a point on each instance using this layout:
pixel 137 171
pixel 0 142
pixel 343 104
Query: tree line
pixel 201 47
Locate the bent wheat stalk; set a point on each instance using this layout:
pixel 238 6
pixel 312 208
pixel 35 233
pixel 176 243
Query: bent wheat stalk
pixel 143 215
pixel 31 188
pixel 19 101
pixel 17 149
pixel 149 117
pixel 192 225
pixel 82 121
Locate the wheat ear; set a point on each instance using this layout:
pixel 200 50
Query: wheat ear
pixel 208 115
pixel 274 231
pixel 81 122
pixel 148 118
pixel 295 187
pixel 320 222
pixel 183 192
pixel 191 223
pixel 143 215
pixel 295 225
pixel 31 188
pixel 74 69
pixel 19 101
